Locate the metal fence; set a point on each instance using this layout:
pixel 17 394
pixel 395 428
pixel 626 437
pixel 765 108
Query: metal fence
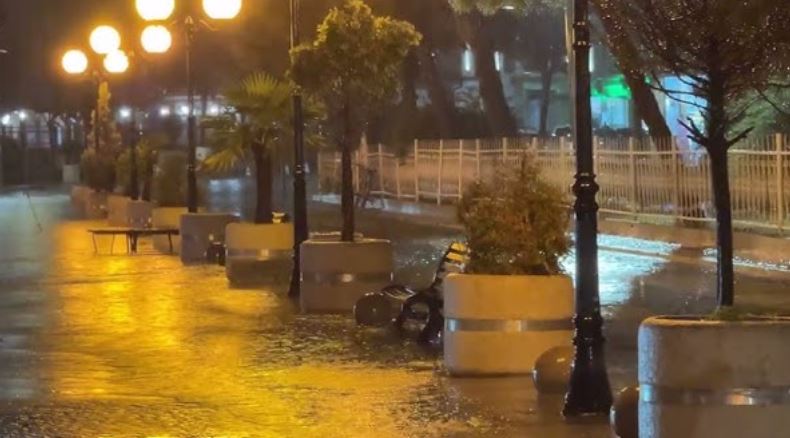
pixel 646 179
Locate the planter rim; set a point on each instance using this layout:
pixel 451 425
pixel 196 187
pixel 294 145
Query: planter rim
pixel 493 276
pixel 363 241
pixel 698 321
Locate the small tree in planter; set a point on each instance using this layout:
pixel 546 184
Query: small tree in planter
pixel 513 302
pixel 354 67
pixel 728 54
pixel 261 122
pixel 147 154
pixel 97 164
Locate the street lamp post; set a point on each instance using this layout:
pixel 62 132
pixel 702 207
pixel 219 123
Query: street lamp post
pixel 589 392
pixel 105 43
pixel 156 39
pixel 301 230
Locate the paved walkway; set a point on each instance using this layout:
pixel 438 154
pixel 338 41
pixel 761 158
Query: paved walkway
pixel 119 346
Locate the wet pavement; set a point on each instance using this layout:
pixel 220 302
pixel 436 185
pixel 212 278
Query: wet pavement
pixel 117 346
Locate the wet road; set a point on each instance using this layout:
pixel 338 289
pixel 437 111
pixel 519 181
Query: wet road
pixel 117 346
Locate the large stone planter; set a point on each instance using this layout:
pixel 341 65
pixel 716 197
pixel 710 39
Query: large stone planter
pixel 336 274
pixel 259 254
pixel 500 325
pixel 71 174
pixel 94 206
pixel 199 230
pixel 167 217
pixel 118 210
pixel 124 212
pixel 723 379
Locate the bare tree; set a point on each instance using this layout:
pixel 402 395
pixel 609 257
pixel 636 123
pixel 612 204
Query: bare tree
pixel 728 54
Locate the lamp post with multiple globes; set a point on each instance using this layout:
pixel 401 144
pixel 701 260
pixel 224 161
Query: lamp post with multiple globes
pixel 157 38
pixel 105 44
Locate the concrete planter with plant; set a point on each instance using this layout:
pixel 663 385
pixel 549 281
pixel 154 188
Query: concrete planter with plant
pixel 348 70
pixel 512 303
pixel 724 376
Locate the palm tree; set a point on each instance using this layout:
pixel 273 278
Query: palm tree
pixel 260 121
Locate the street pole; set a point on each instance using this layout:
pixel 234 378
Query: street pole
pixel 192 190
pixel 589 392
pixel 134 189
pixel 301 231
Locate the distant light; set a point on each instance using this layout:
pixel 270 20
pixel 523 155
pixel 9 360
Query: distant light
pixel 222 9
pixel 155 10
pixel 508 7
pixel 116 62
pixel 164 111
pixel 468 60
pixel 125 113
pixel 156 39
pixel 105 40
pixel 6 120
pixel 592 59
pixel 22 115
pixel 75 62
pixel 213 110
pixel 183 110
pixel 499 60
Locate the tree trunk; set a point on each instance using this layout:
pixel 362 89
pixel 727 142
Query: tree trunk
pixel 263 183
pixel 497 111
pixel 721 195
pixel 347 190
pixel 546 78
pixel 441 103
pixel 626 55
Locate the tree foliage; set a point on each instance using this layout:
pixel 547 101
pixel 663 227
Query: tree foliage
pixel 104 145
pixel 354 67
pixel 725 52
pixel 261 120
pixel 516 224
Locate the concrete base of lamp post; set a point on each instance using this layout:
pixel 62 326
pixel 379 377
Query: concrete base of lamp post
pixel 335 274
pixel 500 325
pixel 199 231
pixel 259 254
pixel 708 378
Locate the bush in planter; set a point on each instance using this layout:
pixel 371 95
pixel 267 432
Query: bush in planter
pixel 147 154
pixel 516 228
pixel 97 164
pixel 515 225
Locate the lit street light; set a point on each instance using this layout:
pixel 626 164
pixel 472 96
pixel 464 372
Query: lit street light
pixel 105 41
pixel 157 39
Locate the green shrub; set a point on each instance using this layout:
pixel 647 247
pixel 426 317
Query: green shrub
pixel 97 170
pixel 516 224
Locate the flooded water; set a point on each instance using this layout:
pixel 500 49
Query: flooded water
pixel 117 346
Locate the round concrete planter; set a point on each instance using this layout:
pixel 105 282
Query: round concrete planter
pixel 500 325
pixel 336 274
pixel 723 379
pixel 71 174
pixel 122 211
pixel 199 230
pixel 167 217
pixel 259 254
pixel 95 206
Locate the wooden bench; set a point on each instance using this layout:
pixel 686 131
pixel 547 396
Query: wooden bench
pixel 132 236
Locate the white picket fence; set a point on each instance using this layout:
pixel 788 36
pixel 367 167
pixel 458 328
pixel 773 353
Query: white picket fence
pixel 648 180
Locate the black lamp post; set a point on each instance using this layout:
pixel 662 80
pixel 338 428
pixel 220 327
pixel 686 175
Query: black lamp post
pixel 588 392
pixel 301 231
pixel 156 39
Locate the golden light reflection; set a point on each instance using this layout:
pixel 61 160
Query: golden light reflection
pixel 145 332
